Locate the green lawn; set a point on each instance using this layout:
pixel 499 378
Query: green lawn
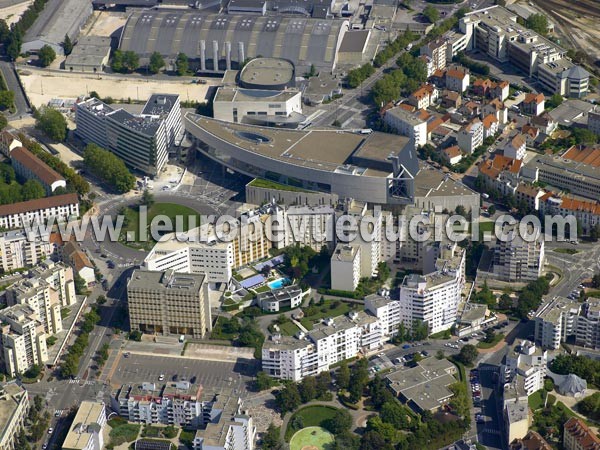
pixel 122 433
pixel 268 184
pixel 485 345
pixel 289 329
pixel 536 401
pixel 170 210
pixel 312 436
pixel 566 251
pixel 311 416
pixel 320 312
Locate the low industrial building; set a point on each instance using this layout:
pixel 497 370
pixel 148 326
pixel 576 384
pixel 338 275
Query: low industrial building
pixel 87 430
pixel 57 19
pixel 288 297
pixel 217 42
pixel 424 387
pixel 90 54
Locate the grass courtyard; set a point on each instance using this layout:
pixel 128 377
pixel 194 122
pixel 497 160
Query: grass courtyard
pixel 315 438
pixel 170 210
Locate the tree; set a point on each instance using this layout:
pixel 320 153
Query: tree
pixel 596 281
pixel 182 64
pixel 340 422
pixel 490 335
pixel 156 62
pixel 548 384
pixel 323 383
pixel 420 330
pixel 440 354
pixel 467 355
pixel 3 122
pixel 147 198
pixel 94 94
pixel 7 98
pixel 67 45
pixel 272 438
pixel 53 123
pixel 80 284
pixel 288 398
pixel 594 232
pixel 492 210
pixel 554 101
pixel 32 190
pixel 125 61
pixel 135 335
pixel 505 302
pixel 101 300
pixel 342 376
pixel 46 55
pixel 109 167
pixel 312 72
pixel 431 13
pixel 590 406
pixel 372 440
pixel 538 23
pixel 394 413
pixel 12 46
pixel 308 389
pixel 263 381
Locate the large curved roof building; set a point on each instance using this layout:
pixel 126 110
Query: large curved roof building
pixel 377 168
pixel 217 42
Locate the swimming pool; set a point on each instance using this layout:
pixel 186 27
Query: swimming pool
pixel 278 284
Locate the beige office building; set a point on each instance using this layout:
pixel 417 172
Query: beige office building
pixel 169 303
pixel 86 432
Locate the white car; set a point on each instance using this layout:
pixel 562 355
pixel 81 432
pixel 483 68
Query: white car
pixel 161 377
pixel 50 430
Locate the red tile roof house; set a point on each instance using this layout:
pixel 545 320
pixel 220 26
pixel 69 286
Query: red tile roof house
pixel 482 86
pixel 534 104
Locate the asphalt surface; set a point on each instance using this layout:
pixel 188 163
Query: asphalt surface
pixel 21 104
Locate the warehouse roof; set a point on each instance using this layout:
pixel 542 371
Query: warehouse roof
pixel 302 40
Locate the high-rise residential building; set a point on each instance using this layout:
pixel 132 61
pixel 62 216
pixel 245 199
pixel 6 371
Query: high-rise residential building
pixel 525 367
pixel 14 405
pixel 436 51
pixel 345 267
pixel 594 122
pixel 22 340
pixel 555 321
pixel 169 303
pixel 588 324
pixel 407 123
pixel 312 226
pixel 87 429
pixel 60 277
pixel 517 259
pixel 142 141
pixel 387 311
pixel 18 251
pixel 433 298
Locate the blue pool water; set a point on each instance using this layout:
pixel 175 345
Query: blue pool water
pixel 278 284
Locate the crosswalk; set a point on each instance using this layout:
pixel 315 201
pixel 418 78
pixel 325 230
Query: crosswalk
pixel 492 431
pixel 78 380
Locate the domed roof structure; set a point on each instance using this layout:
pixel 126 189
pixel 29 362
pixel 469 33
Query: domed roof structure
pixel 572 386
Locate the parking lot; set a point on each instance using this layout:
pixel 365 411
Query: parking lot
pixel 210 374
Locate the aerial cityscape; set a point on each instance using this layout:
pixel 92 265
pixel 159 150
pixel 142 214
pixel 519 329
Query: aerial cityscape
pixel 299 224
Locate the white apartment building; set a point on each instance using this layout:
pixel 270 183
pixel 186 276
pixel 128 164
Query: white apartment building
pixel 470 136
pixel 258 107
pixel 177 403
pixel 433 298
pixel 238 433
pixel 335 340
pixel 169 303
pixel 587 333
pixel 387 311
pixel 534 104
pixel 345 267
pixel 408 124
pixel 423 97
pixel 22 340
pixel 555 321
pixel 526 367
pixel 14 405
pixel 312 226
pixel 518 260
pixel 60 277
pixel 17 251
pixel 142 141
pixel 202 250
pixel 516 147
pixel 87 430
pixel 436 51
pixel 59 207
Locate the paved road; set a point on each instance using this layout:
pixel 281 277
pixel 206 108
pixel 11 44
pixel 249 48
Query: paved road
pixel 21 104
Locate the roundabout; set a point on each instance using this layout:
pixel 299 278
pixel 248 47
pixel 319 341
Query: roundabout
pixel 312 438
